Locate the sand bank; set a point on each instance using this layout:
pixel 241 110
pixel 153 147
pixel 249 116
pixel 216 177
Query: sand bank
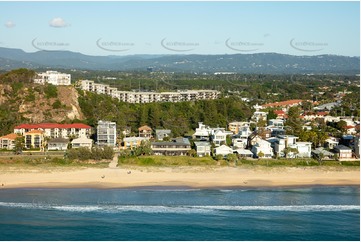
pixel 197 177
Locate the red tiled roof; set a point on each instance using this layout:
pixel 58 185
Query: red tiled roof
pixel 322 113
pixel 52 126
pixel 350 127
pixel 283 103
pixel 145 127
pixel 279 112
pixel 9 136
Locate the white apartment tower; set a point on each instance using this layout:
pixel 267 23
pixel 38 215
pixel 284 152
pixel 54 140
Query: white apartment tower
pixel 106 133
pixel 53 77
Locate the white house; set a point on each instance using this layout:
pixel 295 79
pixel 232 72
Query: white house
pixel 202 132
pixel 244 153
pixel 264 147
pixel 203 148
pixel 223 150
pixel 283 142
pixel 258 115
pixel 344 152
pixel 331 143
pixel 58 144
pixel 304 149
pixel 82 142
pixel 279 123
pixel 53 77
pixel 219 137
pixel 239 143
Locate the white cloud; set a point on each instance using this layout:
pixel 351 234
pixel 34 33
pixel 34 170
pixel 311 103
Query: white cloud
pixel 58 23
pixel 10 24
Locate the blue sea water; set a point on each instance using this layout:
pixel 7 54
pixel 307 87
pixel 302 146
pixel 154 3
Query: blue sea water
pixel 159 213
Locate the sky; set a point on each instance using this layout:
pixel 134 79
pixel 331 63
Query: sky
pixel 127 28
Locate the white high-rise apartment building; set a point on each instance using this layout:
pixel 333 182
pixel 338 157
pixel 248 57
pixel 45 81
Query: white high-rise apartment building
pixel 53 77
pixel 106 133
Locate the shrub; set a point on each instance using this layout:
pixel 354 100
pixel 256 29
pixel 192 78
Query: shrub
pixel 57 104
pixel 50 91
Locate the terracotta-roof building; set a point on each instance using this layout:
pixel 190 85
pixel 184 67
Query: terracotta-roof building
pixel 7 142
pixel 284 104
pixel 145 131
pixel 55 130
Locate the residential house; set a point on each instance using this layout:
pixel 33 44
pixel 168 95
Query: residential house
pixel 106 133
pixel 132 142
pixel 34 139
pixel 278 123
pixel 258 115
pixel 202 132
pixel 58 144
pixel 280 114
pixel 331 143
pixel 160 134
pixel 219 137
pixel 82 142
pixel 145 131
pixel 262 146
pixel 179 146
pixel 304 149
pixel 243 153
pixel 7 142
pixel 343 152
pixel 327 155
pixel 203 148
pixel 223 150
pixel 239 143
pixel 285 141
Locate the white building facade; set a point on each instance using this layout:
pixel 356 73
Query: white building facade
pixel 53 77
pixel 106 133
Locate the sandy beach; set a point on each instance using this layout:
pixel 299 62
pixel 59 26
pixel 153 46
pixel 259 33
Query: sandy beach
pixel 197 177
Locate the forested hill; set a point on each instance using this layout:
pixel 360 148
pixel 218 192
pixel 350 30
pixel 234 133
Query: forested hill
pixel 22 101
pixel 260 63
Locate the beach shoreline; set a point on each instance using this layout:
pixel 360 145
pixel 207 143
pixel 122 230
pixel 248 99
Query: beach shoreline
pixel 182 177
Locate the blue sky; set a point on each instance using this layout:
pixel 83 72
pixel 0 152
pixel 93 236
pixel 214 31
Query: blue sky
pixel 126 28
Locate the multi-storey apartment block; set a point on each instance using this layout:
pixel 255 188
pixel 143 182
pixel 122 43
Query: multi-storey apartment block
pixel 54 130
pixel 106 133
pixel 148 97
pixel 53 77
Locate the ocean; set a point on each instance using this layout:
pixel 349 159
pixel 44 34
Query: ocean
pixel 175 213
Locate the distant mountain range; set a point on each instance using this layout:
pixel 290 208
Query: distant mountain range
pixel 261 63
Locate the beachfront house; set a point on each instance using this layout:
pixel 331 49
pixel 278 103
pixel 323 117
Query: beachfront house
pixel 219 138
pixel 58 144
pixel 244 153
pixel 223 150
pixel 82 142
pixel 202 132
pixel 178 146
pixel 262 149
pixel 203 148
pixel 106 133
pixel 343 152
pixel 132 142
pixel 7 142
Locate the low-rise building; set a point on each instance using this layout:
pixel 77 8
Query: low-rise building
pixel 7 142
pixel 145 131
pixel 53 77
pixel 343 152
pixel 132 142
pixel 262 147
pixel 160 134
pixel 223 150
pixel 203 148
pixel 82 142
pixel 58 144
pixel 175 147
